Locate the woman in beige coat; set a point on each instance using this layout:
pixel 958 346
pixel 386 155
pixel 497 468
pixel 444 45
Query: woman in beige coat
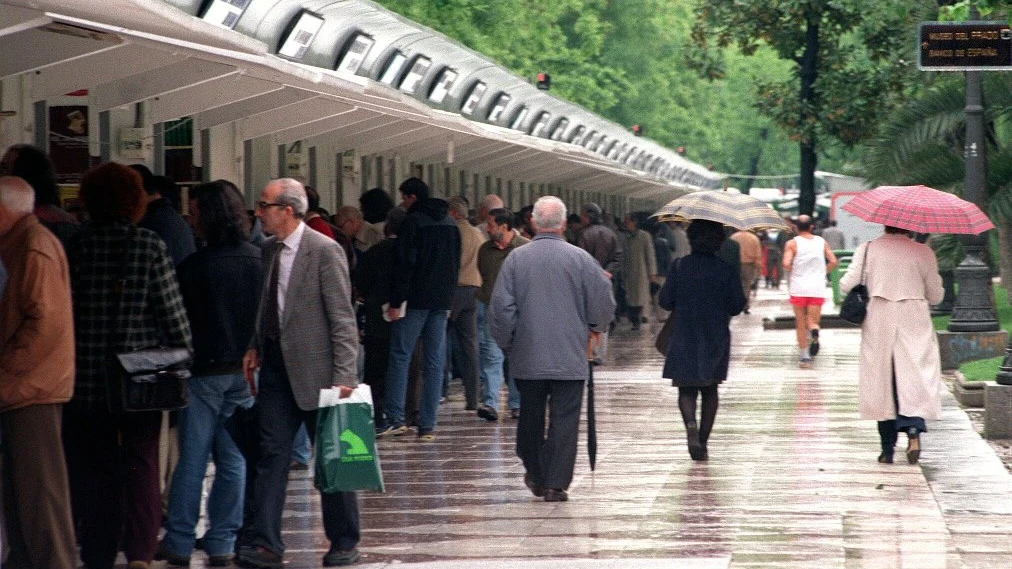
pixel 900 373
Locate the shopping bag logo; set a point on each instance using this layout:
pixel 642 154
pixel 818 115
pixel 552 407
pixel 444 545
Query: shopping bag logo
pixel 357 449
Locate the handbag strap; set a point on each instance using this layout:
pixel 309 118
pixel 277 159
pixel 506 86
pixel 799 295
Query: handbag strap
pixel 864 258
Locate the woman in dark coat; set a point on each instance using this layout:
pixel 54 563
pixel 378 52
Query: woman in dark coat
pixel 703 293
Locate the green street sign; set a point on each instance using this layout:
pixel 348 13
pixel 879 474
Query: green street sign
pixel 965 46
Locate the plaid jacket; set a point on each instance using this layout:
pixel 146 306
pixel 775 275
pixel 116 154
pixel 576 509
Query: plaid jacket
pixel 151 312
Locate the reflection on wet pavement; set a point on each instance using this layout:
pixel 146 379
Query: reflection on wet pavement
pixel 792 479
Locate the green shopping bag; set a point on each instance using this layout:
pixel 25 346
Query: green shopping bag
pixel 346 458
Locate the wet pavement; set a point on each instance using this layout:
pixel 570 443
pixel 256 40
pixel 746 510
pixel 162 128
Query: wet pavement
pixel 792 479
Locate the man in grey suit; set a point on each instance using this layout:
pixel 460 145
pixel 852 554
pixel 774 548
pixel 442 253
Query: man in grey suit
pixel 305 340
pixel 550 299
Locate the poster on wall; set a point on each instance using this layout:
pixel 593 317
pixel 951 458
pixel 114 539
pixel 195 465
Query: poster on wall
pixel 68 142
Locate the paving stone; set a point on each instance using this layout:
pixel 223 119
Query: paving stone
pixel 792 479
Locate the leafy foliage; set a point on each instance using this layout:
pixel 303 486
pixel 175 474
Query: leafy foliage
pixel 850 61
pixel 626 61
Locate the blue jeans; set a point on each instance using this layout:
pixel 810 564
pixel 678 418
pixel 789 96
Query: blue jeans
pixel 430 327
pixel 202 435
pixel 302 451
pixel 491 359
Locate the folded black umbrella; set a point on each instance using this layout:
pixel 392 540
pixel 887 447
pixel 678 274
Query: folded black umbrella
pixel 591 419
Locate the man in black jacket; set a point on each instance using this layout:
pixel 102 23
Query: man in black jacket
pixel 163 219
pixel 426 262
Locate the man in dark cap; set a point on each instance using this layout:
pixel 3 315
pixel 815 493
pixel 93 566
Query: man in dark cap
pixel 602 243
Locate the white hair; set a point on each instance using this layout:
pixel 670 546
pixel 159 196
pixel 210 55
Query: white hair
pixel 549 213
pixel 293 194
pixel 16 195
pixel 490 202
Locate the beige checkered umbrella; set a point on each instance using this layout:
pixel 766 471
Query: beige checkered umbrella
pixel 740 211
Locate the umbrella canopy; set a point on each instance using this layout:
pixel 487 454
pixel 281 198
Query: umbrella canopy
pixel 740 211
pixel 919 208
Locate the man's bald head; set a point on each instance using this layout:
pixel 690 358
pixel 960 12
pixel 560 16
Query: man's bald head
pixel 16 195
pixel 17 199
pixel 804 223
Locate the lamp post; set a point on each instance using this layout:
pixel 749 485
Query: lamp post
pixel 973 310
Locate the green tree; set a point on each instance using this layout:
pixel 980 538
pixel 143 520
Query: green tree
pixel 627 62
pixel 922 143
pixel 851 61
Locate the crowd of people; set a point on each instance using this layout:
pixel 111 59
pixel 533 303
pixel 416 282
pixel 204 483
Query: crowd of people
pixel 281 302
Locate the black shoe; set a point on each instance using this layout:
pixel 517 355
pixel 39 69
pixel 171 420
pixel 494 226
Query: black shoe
pixel 259 558
pixel 885 458
pixel 219 560
pixel 535 489
pixel 813 342
pixel 338 558
pixel 556 495
pixel 296 465
pixel 695 446
pixel 487 413
pixel 162 554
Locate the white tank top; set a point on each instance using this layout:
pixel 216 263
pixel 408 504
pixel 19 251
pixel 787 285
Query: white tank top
pixel 808 274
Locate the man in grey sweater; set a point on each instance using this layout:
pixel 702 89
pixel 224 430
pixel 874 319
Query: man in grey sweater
pixel 550 300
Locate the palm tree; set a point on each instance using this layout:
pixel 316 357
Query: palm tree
pixel 922 143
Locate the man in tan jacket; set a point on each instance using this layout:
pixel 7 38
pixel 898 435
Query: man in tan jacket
pixel 463 322
pixel 36 379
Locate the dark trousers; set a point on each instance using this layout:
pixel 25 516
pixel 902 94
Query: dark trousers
pixel 112 461
pixel 887 429
pixel 279 417
pixel 549 459
pixel 36 492
pixel 377 355
pixel 463 324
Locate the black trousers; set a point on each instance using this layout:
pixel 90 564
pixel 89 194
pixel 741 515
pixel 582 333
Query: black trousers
pixel 463 323
pixel 279 417
pixel 549 458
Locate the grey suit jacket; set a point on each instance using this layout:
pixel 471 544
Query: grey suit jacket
pixel 319 337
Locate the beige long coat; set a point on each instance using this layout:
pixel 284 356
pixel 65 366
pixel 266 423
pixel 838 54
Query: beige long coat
pixel 903 281
pixel 640 264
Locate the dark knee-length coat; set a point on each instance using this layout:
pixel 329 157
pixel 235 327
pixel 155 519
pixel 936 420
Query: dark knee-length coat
pixel 703 292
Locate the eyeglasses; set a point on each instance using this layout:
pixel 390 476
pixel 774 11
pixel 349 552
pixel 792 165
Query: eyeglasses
pixel 265 205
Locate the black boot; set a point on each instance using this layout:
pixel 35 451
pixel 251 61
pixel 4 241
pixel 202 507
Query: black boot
pixel 887 438
pixel 635 317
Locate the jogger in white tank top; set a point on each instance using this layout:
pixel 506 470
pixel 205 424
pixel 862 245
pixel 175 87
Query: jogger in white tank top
pixel 809 259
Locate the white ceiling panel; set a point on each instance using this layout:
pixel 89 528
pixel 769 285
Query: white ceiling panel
pixel 290 116
pixel 154 82
pixel 208 95
pixel 52 43
pixel 280 97
pixel 104 66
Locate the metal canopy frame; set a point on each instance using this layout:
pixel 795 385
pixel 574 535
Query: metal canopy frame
pixel 131 51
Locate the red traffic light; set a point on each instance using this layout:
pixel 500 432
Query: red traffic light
pixel 544 81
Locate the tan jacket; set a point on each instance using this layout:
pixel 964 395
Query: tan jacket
pixel 470 240
pixel 751 248
pixel 37 326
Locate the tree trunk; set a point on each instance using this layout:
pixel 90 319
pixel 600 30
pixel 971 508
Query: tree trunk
pixel 1005 254
pixel 809 116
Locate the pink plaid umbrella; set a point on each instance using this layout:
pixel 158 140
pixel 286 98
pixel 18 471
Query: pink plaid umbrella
pixel 920 209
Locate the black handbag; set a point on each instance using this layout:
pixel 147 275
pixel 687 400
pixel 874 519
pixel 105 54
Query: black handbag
pixel 147 379
pixel 855 304
pixel 150 379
